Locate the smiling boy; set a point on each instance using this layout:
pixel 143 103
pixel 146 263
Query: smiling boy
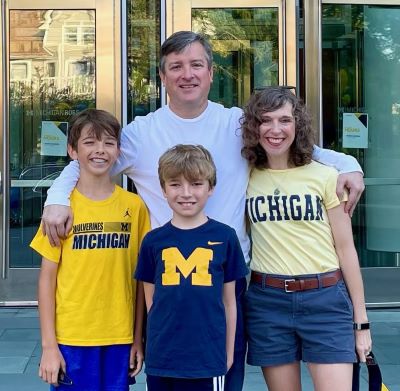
pixel 86 286
pixel 189 267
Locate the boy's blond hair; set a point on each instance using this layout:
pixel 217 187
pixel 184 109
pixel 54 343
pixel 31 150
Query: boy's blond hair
pixel 194 162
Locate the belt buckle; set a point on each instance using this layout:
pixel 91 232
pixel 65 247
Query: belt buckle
pixel 286 285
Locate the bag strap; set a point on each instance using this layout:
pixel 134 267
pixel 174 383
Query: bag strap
pixel 374 375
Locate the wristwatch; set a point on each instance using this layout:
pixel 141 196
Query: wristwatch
pixel 361 326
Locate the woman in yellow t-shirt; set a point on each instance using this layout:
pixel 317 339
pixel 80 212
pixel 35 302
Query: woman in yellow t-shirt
pixel 306 298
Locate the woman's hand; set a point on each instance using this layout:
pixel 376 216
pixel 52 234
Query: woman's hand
pixel 363 344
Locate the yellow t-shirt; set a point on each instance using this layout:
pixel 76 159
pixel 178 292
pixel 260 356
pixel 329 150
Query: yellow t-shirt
pixel 290 228
pixel 95 287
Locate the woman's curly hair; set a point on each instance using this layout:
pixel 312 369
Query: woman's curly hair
pixel 267 100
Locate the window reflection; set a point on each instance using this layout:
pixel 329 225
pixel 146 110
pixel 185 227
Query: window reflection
pixel 52 76
pixel 143 57
pixel 246 50
pixel 361 68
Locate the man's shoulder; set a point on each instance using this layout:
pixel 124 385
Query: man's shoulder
pixel 233 111
pixel 141 123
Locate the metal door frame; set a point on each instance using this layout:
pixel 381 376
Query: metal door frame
pixel 108 97
pixel 181 20
pixel 313 97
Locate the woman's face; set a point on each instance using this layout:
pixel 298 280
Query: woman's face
pixel 277 133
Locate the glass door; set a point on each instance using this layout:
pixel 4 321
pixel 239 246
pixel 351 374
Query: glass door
pixel 361 116
pixel 58 60
pixel 254 43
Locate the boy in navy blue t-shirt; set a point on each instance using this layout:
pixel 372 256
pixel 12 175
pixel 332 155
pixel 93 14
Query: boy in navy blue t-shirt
pixel 189 267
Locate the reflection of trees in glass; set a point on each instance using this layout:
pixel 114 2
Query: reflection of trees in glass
pixel 143 56
pixel 246 47
pixel 355 19
pixel 43 98
pixel 52 76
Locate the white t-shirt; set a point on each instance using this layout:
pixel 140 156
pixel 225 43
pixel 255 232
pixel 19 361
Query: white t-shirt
pixel 145 139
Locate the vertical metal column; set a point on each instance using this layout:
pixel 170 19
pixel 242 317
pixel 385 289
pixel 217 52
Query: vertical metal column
pixel 4 161
pixel 313 62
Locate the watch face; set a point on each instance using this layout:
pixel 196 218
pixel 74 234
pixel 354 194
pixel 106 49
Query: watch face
pixel 361 326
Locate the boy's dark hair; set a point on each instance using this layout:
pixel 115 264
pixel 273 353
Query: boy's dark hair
pixel 100 122
pixel 194 162
pixel 179 41
pixel 268 100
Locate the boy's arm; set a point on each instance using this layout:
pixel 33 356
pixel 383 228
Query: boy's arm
pixel 350 174
pixel 52 359
pixel 148 294
pixel 137 356
pixel 229 299
pixel 343 238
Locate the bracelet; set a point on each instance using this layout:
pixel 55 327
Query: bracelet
pixel 361 326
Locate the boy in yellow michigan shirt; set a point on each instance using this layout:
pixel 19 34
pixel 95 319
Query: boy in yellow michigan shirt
pixel 91 313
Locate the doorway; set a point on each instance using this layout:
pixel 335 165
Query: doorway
pixel 57 61
pixel 254 43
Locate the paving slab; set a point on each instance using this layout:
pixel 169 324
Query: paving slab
pixel 20 352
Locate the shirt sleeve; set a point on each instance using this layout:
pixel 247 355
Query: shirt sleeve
pixel 235 265
pixel 62 187
pixel 330 197
pixel 342 162
pixel 146 266
pixel 41 244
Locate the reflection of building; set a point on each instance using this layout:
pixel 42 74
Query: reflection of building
pixel 342 58
pixel 52 50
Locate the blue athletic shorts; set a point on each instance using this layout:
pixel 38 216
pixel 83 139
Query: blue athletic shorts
pixel 315 325
pixel 159 383
pixel 95 368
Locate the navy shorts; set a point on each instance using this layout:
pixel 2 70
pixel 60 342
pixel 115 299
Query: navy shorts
pixel 314 325
pixel 94 368
pixel 159 383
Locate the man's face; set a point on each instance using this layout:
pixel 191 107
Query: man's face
pixel 187 77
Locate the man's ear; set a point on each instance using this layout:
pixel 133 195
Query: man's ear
pixel 72 153
pixel 162 76
pixel 212 73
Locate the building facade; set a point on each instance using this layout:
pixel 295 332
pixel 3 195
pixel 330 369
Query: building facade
pixel 341 57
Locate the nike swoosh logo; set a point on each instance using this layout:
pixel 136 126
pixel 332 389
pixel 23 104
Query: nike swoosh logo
pixel 214 243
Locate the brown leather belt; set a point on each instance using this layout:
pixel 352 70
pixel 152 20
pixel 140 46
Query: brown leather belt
pixel 297 284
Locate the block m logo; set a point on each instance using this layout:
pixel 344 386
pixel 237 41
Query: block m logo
pixel 174 261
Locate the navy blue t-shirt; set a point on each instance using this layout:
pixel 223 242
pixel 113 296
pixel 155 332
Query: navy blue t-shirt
pixel 186 325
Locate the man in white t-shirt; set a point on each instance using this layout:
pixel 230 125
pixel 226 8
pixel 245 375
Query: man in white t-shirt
pixel 190 118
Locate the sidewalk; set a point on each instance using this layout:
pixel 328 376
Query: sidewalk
pixel 20 352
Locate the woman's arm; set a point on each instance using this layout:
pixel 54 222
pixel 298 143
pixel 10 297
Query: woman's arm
pixel 229 299
pixel 343 237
